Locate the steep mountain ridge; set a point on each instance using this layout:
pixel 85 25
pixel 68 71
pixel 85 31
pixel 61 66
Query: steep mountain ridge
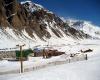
pixel 19 18
pixel 31 7
pixel 30 22
pixel 85 26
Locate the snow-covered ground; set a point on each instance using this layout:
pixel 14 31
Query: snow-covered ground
pixel 81 70
pixel 85 70
pixel 9 40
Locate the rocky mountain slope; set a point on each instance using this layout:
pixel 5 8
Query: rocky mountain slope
pixel 19 17
pixel 28 21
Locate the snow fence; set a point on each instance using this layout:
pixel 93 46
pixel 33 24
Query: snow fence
pixel 59 62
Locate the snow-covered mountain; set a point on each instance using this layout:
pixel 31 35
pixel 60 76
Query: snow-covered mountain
pixel 85 26
pixel 28 22
pixel 30 6
pixel 31 24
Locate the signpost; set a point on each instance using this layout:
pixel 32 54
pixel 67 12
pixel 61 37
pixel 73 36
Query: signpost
pixel 21 57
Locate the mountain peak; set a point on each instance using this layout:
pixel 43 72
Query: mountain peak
pixel 85 26
pixel 28 1
pixel 31 6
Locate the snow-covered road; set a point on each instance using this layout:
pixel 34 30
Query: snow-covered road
pixel 82 70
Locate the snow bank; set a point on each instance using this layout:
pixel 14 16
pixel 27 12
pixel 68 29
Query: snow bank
pixel 82 70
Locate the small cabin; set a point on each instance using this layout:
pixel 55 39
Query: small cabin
pixel 46 53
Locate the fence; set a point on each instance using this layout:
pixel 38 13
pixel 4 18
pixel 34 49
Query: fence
pixel 36 67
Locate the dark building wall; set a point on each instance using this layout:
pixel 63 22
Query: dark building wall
pixel 7 54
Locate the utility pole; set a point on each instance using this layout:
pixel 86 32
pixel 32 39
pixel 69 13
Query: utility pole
pixel 21 57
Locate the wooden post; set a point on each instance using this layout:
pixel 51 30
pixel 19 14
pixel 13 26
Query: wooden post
pixel 43 53
pixel 21 57
pixel 86 57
